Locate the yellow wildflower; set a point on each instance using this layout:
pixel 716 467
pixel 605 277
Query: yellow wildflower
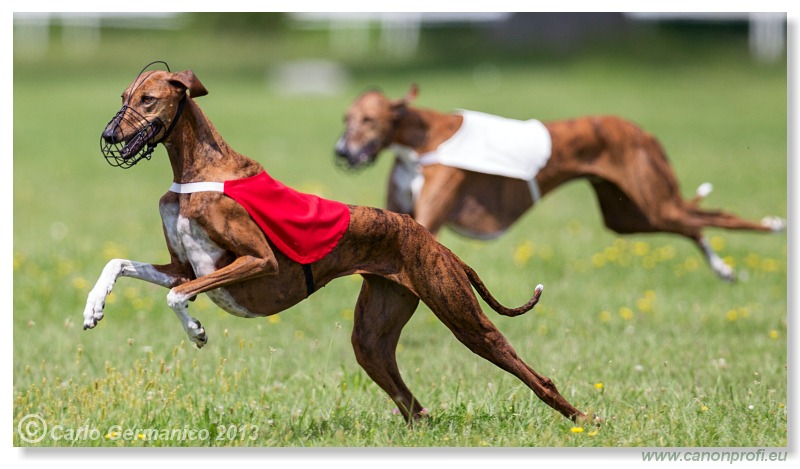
pixel 80 283
pixel 769 265
pixel 640 248
pixel 523 253
pixel 717 243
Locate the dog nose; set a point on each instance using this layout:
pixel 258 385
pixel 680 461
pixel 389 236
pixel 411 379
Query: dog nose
pixel 341 148
pixel 110 133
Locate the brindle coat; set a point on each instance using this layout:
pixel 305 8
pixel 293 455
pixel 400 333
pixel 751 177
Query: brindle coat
pixel 216 248
pixel 635 185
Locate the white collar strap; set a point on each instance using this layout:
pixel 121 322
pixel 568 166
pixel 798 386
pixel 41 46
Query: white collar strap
pixel 191 187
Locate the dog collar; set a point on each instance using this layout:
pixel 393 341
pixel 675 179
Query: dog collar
pixel 192 187
pixel 406 154
pixel 172 124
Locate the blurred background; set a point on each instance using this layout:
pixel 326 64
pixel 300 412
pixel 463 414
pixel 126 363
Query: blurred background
pixel 712 87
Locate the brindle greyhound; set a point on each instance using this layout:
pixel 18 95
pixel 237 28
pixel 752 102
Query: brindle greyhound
pixel 636 188
pixel 217 248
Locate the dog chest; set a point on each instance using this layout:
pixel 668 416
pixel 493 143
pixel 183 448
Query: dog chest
pixel 188 241
pixel 191 244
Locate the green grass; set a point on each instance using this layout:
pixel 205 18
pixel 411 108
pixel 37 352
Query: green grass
pixel 636 329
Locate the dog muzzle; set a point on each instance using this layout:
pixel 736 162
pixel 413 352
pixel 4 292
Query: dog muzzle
pixel 124 152
pixel 346 160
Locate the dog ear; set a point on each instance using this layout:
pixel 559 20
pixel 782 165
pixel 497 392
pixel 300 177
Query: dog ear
pixel 412 93
pixel 400 106
pixel 189 81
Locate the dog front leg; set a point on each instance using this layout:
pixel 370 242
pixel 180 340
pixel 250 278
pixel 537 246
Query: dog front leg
pixel 243 268
pixel 95 303
pixel 438 196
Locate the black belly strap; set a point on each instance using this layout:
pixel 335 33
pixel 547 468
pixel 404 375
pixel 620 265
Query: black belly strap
pixel 309 279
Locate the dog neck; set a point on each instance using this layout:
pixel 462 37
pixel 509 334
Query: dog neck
pixel 423 130
pixel 197 152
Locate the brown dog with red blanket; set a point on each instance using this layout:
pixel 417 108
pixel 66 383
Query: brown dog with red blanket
pixel 253 260
pixel 478 173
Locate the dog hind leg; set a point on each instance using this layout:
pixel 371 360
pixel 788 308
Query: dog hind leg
pixel 382 310
pixel 452 300
pixel 626 215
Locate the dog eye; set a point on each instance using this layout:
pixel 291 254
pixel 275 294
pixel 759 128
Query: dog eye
pixel 148 99
pixel 367 120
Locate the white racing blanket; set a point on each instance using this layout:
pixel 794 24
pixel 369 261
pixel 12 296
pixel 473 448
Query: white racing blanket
pixel 495 145
pixel 486 144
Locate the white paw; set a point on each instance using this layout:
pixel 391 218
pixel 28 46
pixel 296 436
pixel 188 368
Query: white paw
pixel 775 224
pixel 722 269
pixel 197 333
pixel 93 312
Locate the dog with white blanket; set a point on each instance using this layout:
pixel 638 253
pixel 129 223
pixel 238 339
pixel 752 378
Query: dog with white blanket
pixel 478 173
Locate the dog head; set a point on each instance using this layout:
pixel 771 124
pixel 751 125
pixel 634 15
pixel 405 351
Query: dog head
pixel 151 106
pixel 370 125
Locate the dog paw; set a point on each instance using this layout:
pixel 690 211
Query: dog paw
pixel 722 269
pixel 776 224
pixel 726 273
pixel 197 333
pixel 589 419
pixel 93 313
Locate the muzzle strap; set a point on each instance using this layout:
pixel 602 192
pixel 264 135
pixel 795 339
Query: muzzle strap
pixel 174 122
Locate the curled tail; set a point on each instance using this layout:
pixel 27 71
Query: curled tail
pixel 492 302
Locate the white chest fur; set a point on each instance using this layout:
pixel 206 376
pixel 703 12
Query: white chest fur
pixel 191 244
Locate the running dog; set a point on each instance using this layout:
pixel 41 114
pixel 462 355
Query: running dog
pixel 478 173
pixel 257 247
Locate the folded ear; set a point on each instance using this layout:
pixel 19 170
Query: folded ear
pixel 187 80
pixel 412 93
pixel 399 105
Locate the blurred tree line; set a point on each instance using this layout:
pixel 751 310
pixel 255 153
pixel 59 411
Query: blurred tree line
pixel 231 22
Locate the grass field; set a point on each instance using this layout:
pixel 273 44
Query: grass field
pixel 636 329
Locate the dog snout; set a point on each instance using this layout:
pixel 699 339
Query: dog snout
pixel 341 148
pixel 111 134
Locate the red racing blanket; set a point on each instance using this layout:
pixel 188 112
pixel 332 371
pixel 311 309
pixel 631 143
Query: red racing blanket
pixel 303 226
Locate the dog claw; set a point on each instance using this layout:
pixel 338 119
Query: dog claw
pixel 201 340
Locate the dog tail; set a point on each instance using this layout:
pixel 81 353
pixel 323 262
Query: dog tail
pixel 492 301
